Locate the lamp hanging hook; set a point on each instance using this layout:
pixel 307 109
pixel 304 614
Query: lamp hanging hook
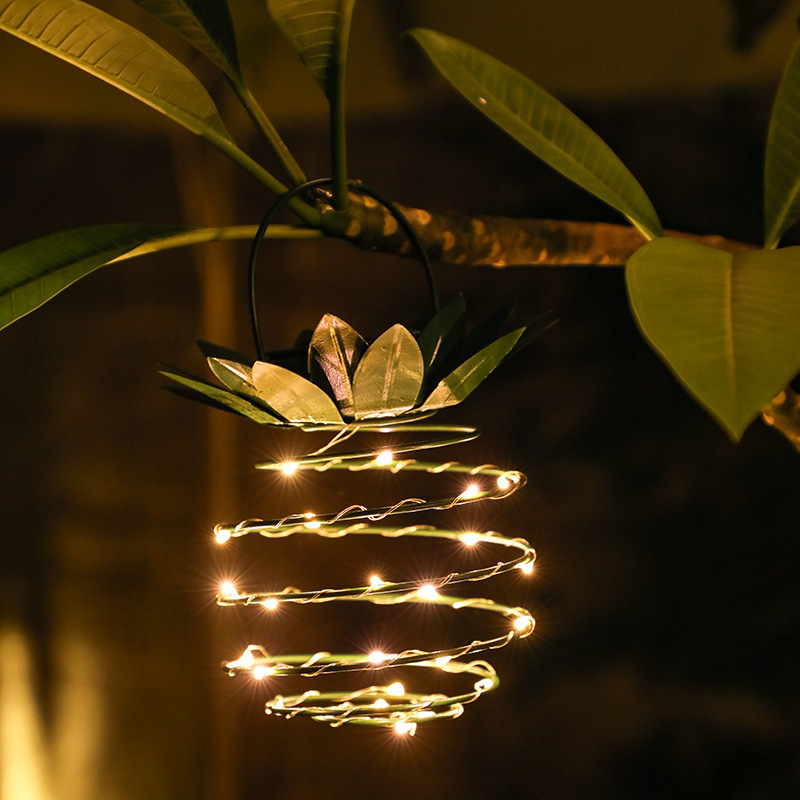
pixel 355 186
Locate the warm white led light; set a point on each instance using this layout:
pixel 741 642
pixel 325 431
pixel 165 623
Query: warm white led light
pixel 377 657
pixel 227 589
pixel 246 659
pixel 526 567
pixel 405 728
pixel 376 582
pixel 260 672
pixel 396 689
pixel 523 623
pixel 313 524
pixel 473 490
pixel 470 538
pixel 503 482
pixel 384 458
pixel 380 703
pixel 289 468
pixel 427 592
pixel 221 534
pixel 442 660
pixel 271 603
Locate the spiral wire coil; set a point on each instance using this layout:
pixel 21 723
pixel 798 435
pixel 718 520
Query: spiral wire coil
pixel 387 705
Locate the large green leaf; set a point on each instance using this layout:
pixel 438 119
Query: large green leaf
pixel 292 396
pixel 236 376
pixel 337 348
pixel 727 325
pixel 116 53
pixel 441 340
pixel 389 376
pixel 207 24
pixel 462 381
pixel 32 273
pixel 542 125
pixel 318 30
pixel 782 166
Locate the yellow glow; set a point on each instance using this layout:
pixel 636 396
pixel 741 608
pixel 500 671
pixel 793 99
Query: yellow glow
pixel 523 623
pixel 470 538
pixel 289 468
pixel 503 482
pixel 271 603
pixel 380 703
pixel 396 689
pixel 221 534
pixel 384 458
pixel 405 728
pixel 246 659
pixel 527 567
pixel 427 592
pixel 313 524
pixel 473 490
pixel 442 660
pixel 377 657
pixel 260 672
pixel 376 582
pixel 227 589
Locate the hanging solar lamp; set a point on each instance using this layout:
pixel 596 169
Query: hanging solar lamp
pixel 393 385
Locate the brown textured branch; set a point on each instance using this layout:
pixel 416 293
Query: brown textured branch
pixel 475 240
pixel 783 414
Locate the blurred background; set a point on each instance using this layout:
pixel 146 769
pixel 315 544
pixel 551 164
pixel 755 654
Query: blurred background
pixel 664 662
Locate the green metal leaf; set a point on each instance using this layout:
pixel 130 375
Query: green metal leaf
pixel 782 166
pixel 541 124
pixel 221 396
pixel 292 396
pixel 462 381
pixel 389 376
pixel 318 30
pixel 116 53
pixel 237 377
pixel 32 273
pixel 337 348
pixel 727 325
pixel 441 339
pixel 206 24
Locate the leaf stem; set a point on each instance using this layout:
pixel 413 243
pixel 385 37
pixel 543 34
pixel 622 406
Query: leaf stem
pixel 269 132
pixel 311 216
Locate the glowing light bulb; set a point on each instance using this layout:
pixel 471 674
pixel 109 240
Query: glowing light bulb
pixel 396 689
pixel 524 624
pixel 246 659
pixel 526 567
pixel 376 582
pixel 380 703
pixel 384 458
pixel 470 538
pixel 227 589
pixel 443 660
pixel 221 534
pixel 503 482
pixel 377 657
pixel 405 728
pixel 289 468
pixel 427 592
pixel 311 523
pixel 271 603
pixel 473 490
pixel 260 672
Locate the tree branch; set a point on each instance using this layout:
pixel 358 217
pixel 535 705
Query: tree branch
pixel 475 240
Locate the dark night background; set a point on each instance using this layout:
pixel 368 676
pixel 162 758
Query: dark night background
pixel 664 661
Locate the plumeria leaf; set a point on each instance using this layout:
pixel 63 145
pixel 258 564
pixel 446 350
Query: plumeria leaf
pixel 318 30
pixel 115 52
pixel 782 165
pixel 462 381
pixel 222 396
pixel 389 376
pixel 206 25
pixel 441 339
pixel 542 125
pixel 34 272
pixel 336 348
pixel 236 376
pixel 727 325
pixel 292 396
